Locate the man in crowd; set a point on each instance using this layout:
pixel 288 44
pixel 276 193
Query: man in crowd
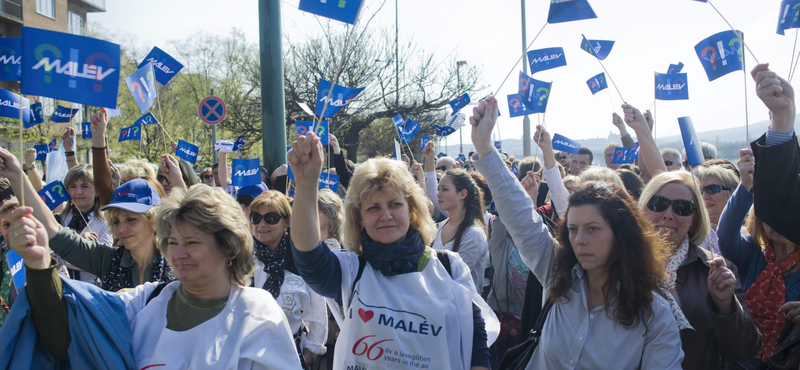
pixel 580 161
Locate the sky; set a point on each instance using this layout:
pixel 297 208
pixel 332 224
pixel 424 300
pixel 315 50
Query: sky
pixel 650 35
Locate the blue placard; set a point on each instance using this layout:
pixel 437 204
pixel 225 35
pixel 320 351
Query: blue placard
pixel 498 145
pixel 340 97
pixel 329 181
pixel 41 152
pixel 36 114
pixel 694 152
pixel 454 122
pixel 10 58
pixel 625 155
pixel 132 132
pixel 788 15
pixel 63 114
pixel 239 143
pixel 408 130
pixel 147 119
pixel 720 54
pixel 340 10
pixel 69 67
pixel 16 268
pixel 165 66
pixel 544 59
pixel 565 144
pixel 671 86
pixel 676 68
pixel 569 10
pixel 322 129
pixel 534 93
pixel 246 172
pixel 53 194
pixel 187 151
pixel 142 85
pixel 597 83
pixel 460 102
pixel 424 141
pixel 86 130
pixel 599 48
pixel 515 106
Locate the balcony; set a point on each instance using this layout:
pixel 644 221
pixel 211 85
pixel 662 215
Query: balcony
pixel 92 5
pixel 11 10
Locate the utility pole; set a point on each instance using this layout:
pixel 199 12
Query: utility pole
pixel 526 122
pixel 396 56
pixel 273 115
pixel 458 90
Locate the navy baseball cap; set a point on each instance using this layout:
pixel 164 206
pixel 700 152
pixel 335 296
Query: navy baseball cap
pixel 136 196
pixel 252 190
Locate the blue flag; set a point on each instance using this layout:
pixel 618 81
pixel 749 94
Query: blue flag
pixel 598 48
pixel 187 151
pixel 460 102
pixel 63 114
pixel 10 59
pixel 789 15
pixel 51 146
pixel 36 114
pixel 544 59
pixel 498 145
pixel 408 130
pixel 340 97
pixel 441 155
pixel 41 152
pixel 424 141
pixel 10 106
pixel 534 93
pixel 147 119
pixel 453 123
pixel 329 181
pixel 132 132
pixel 246 172
pixel 68 67
pixel 694 152
pixel 16 268
pixel 165 66
pixel 676 68
pixel 86 130
pixel 461 157
pixel 398 120
pixel 569 10
pixel 515 106
pixel 322 129
pixel 340 10
pixel 565 144
pixel 720 54
pixel 597 83
pixel 672 86
pixel 625 155
pixel 142 85
pixel 239 143
pixel 53 194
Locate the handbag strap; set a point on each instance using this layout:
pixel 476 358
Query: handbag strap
pixel 537 328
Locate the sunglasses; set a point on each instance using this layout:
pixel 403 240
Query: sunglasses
pixel 271 218
pixel 681 207
pixel 713 189
pixel 442 168
pixel 208 177
pixel 161 179
pixel 562 157
pixel 668 163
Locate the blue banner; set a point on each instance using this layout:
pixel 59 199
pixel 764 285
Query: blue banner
pixel 544 59
pixel 239 143
pixel 165 66
pixel 10 58
pixel 329 181
pixel 565 144
pixel 424 141
pixel 515 106
pixel 597 83
pixel 147 119
pixel 625 155
pixel 343 11
pixel 340 97
pixel 676 68
pixel 720 54
pixel 441 155
pixel 187 151
pixel 16 267
pixel 569 10
pixel 63 114
pixel 142 85
pixel 788 15
pixel 322 129
pixel 408 130
pixel 86 130
pixel 599 48
pixel 672 86
pixel 132 132
pixel 53 194
pixel 533 93
pixel 69 67
pixel 460 102
pixel 246 172
pixel 694 152
pixel 36 114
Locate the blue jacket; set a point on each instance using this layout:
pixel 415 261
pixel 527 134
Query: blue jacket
pixel 99 331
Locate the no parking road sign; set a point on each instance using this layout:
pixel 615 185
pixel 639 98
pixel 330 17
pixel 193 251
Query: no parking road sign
pixel 212 110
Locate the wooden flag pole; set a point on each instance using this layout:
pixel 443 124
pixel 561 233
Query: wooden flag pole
pixel 21 154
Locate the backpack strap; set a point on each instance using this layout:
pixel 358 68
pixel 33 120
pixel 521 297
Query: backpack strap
pixel 156 292
pixel 445 260
pixel 362 263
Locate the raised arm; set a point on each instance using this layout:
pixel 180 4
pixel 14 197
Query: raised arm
pixel 624 136
pixel 102 172
pixel 305 158
pixel 10 169
pixel 33 173
pixel 69 147
pixel 648 150
pixel 339 162
pixel 559 194
pixel 431 183
pixel 172 171
pixel 224 176
pixel 732 244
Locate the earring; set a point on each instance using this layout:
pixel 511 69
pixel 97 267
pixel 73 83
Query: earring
pixel 230 263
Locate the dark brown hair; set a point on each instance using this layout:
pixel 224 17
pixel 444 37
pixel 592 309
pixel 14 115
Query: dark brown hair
pixel 473 203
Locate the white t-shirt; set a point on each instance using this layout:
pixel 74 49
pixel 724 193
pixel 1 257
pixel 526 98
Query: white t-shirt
pixel 99 227
pixel 474 250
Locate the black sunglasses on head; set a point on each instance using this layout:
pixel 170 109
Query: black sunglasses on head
pixel 271 218
pixel 681 207
pixel 713 189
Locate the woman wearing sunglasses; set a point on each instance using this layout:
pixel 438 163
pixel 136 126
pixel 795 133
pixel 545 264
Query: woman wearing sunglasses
pixel 706 298
pixel 716 184
pixel 276 273
pixel 207 177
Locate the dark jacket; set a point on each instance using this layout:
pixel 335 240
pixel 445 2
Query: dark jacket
pixel 776 186
pixel 733 336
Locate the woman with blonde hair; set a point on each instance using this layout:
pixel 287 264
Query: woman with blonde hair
pixel 388 265
pixel 331 218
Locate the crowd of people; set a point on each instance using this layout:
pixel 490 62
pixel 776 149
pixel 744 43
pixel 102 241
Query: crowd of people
pixel 444 264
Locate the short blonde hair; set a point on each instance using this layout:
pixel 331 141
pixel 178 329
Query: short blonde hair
pixel 9 206
pixel 136 169
pixel 724 176
pixel 391 177
pixel 331 206
pixel 112 213
pixel 274 200
pixel 603 174
pixel 700 222
pixel 210 209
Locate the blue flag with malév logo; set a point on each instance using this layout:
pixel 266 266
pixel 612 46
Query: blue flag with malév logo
pixel 675 68
pixel 165 66
pixel 246 172
pixel 53 194
pixel 569 10
pixel 338 99
pixel 534 93
pixel 694 152
pixel 41 152
pixel 424 141
pixel 565 144
pixel 86 130
pixel 671 86
pixel 36 114
pixel 69 67
pixel 142 85
pixel 147 119
pixel 10 106
pixel 408 130
pixel 16 268
pixel 187 151
pixel 597 83
pixel 515 106
pixel 598 48
pixel 63 114
pixel 625 155
pixel 460 102
pixel 329 181
pixel 340 10
pixel 132 132
pixel 322 129
pixel 544 59
pixel 10 58
pixel 720 54
pixel 788 15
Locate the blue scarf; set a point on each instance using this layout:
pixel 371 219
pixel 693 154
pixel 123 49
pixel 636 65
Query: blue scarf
pixel 393 259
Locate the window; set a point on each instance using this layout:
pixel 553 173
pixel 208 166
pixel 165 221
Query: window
pixel 46 8
pixel 75 23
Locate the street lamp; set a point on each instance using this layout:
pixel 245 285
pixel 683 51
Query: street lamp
pixel 458 89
